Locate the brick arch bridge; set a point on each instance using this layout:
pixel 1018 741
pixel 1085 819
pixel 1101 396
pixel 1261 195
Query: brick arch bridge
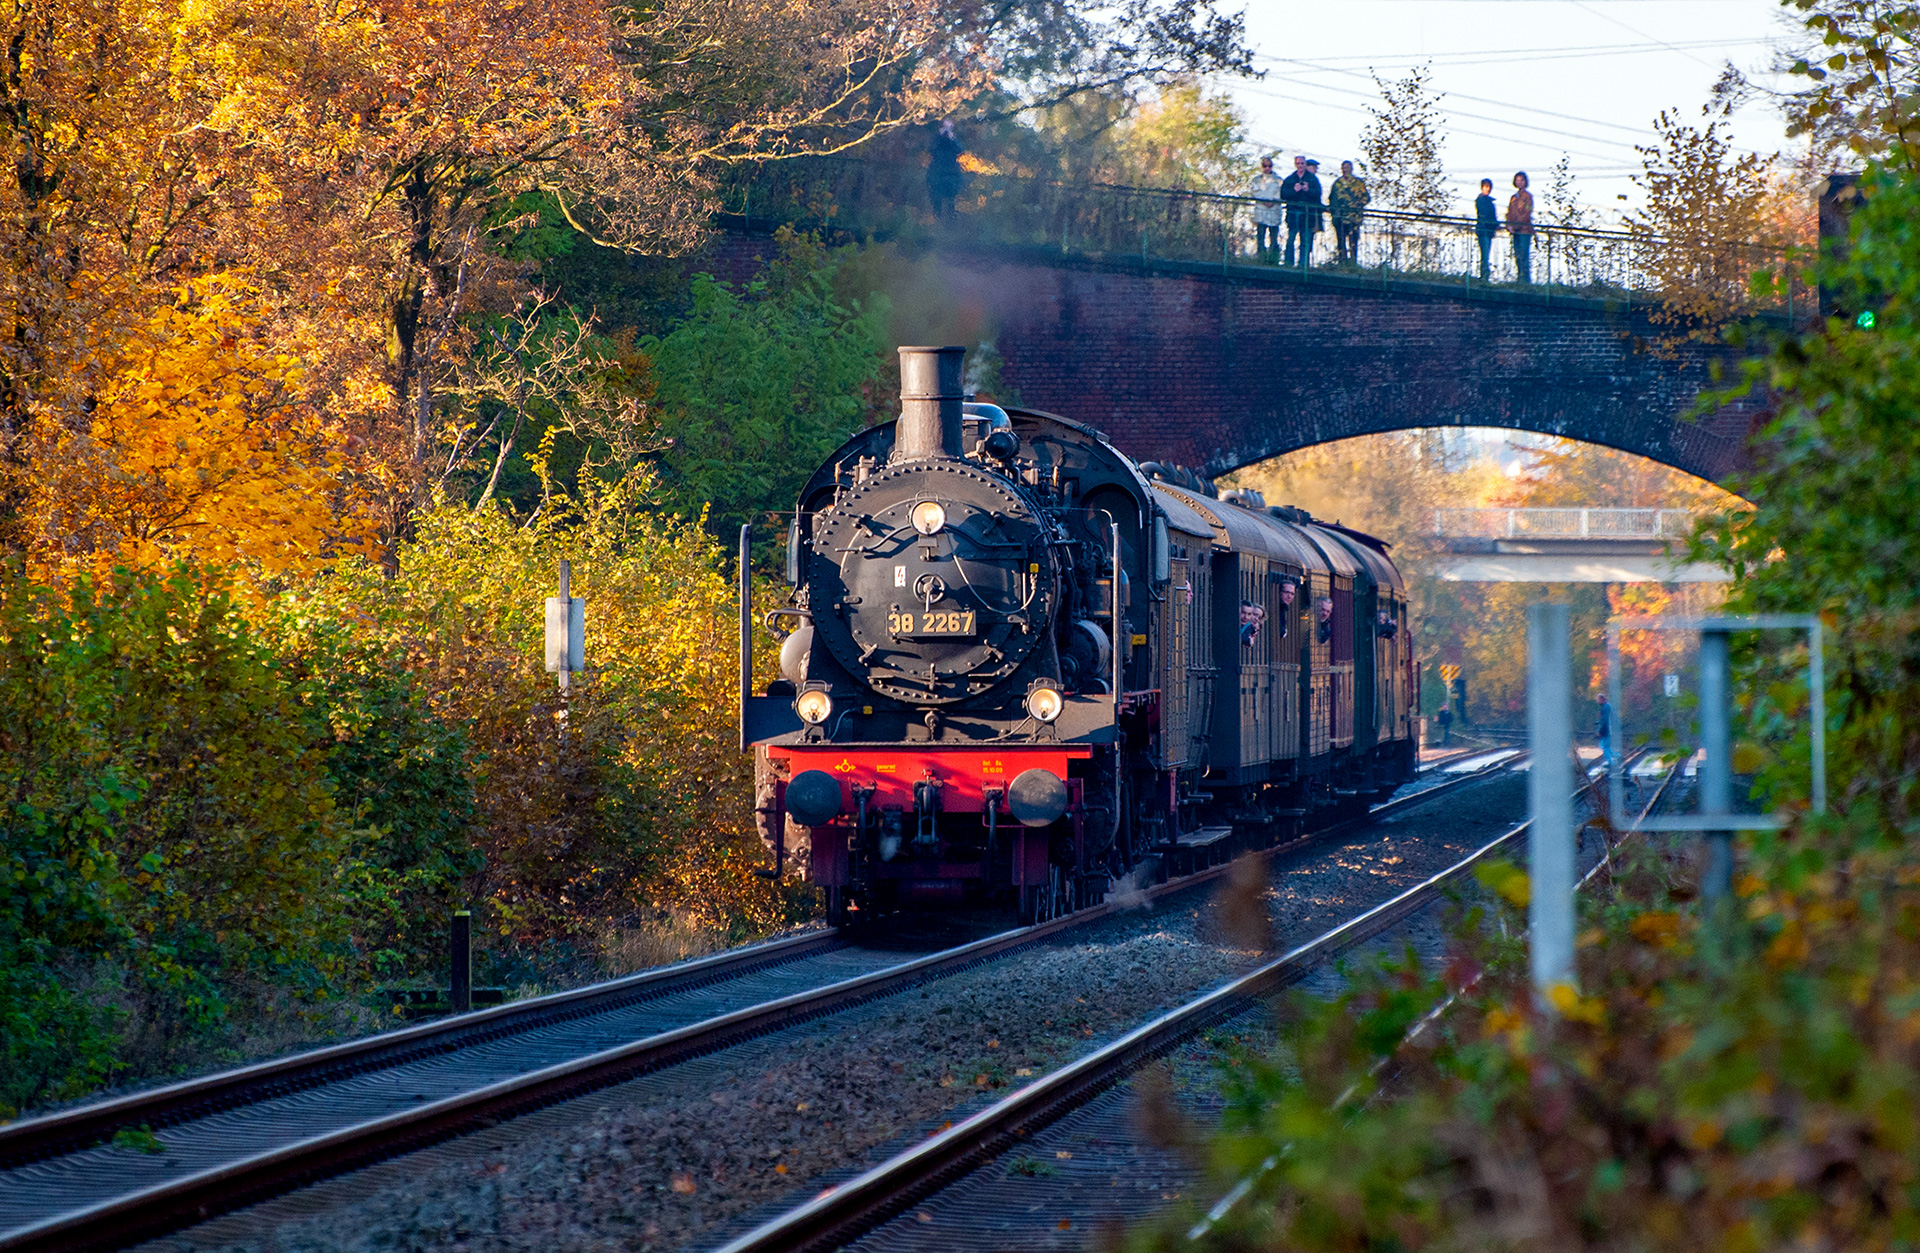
pixel 1217 367
pixel 1184 363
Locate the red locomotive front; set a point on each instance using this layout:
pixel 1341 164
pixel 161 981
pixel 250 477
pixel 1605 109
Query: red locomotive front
pixel 997 808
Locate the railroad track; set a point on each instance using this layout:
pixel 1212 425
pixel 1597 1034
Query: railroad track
pixel 844 1213
pixel 233 1138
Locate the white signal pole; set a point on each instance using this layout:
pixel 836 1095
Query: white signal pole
pixel 1550 785
pixel 566 629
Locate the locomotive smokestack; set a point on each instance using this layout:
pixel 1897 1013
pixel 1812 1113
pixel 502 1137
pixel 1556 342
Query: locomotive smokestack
pixel 930 399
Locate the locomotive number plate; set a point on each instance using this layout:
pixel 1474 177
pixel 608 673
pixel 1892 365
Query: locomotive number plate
pixel 933 622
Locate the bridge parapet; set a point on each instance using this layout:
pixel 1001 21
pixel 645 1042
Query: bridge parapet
pixel 1565 523
pixel 1103 221
pixel 1566 545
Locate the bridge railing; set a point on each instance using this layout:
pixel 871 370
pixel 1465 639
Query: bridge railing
pixel 889 200
pixel 1551 523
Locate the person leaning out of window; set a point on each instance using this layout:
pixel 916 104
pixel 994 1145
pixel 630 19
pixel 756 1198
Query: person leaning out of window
pixel 1520 226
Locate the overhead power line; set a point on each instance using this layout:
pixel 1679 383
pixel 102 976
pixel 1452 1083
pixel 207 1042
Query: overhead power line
pixel 1492 56
pixel 1634 30
pixel 1644 133
pixel 1530 127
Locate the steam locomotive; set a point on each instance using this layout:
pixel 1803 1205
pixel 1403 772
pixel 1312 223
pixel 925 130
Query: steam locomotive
pixel 1019 667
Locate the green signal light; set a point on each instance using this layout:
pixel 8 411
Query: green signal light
pixel 1865 321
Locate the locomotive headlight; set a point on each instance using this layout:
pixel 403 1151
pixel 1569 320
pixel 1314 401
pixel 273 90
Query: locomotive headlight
pixel 814 707
pixel 1045 703
pixel 929 517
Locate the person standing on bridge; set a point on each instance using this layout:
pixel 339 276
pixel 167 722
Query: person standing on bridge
pixel 1301 192
pixel 1346 205
pixel 1266 212
pixel 1604 733
pixel 943 170
pixel 1486 224
pixel 1520 226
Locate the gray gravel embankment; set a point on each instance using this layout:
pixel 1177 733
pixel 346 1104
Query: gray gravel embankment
pixel 687 1156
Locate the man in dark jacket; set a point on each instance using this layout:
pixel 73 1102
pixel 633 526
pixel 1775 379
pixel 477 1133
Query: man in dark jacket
pixel 943 170
pixel 1301 194
pixel 1486 224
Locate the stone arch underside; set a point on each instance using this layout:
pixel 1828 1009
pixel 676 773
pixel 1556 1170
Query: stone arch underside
pixel 1217 371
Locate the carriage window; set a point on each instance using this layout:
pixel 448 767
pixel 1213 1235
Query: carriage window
pixel 1342 640
pixel 1286 591
pixel 1254 629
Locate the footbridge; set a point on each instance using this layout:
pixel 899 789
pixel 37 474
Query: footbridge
pixel 1150 315
pixel 1567 545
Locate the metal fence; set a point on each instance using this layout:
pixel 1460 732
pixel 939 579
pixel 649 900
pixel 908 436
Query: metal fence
pixel 1648 524
pixel 889 200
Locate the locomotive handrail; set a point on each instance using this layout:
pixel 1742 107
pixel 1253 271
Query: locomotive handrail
pixel 745 574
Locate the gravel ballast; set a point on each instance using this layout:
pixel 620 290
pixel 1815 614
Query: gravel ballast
pixel 690 1155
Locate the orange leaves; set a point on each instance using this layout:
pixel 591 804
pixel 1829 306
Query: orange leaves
pixel 1659 929
pixel 197 445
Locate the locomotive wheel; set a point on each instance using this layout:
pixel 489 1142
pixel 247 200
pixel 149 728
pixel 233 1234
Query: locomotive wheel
pixel 836 907
pixel 1031 900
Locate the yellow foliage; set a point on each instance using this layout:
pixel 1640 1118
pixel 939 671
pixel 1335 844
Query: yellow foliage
pixel 1511 882
pixel 1576 1008
pixel 1660 929
pixel 196 446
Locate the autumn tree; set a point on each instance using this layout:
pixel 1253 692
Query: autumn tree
pixel 1402 145
pixel 1861 60
pixel 1184 137
pixel 1704 223
pixel 197 443
pixel 1050 52
pixel 1560 207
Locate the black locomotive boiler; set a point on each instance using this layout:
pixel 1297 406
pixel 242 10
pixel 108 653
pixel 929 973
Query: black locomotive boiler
pixel 1020 666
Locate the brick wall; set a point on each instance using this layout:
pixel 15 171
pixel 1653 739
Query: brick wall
pixel 1183 363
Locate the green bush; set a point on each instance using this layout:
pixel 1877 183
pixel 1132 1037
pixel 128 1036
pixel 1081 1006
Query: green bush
pixel 403 773
pixel 210 826
pixel 630 798
pixel 170 827
pixel 1739 1078
pixel 757 387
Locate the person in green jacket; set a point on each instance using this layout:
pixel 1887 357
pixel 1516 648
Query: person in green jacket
pixel 1347 204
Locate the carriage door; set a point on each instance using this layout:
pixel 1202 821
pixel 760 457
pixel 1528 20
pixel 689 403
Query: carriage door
pixel 1256 667
pixel 1176 621
pixel 1200 672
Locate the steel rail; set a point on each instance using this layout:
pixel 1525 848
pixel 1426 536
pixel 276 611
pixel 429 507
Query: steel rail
pixel 200 1195
pixel 48 1135
pixel 1239 1191
pixel 843 1213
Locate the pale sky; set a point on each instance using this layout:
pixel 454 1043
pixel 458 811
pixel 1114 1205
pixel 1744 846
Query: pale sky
pixel 1524 80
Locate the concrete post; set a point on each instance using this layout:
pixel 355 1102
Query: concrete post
pixel 1716 772
pixel 1550 787
pixel 460 951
